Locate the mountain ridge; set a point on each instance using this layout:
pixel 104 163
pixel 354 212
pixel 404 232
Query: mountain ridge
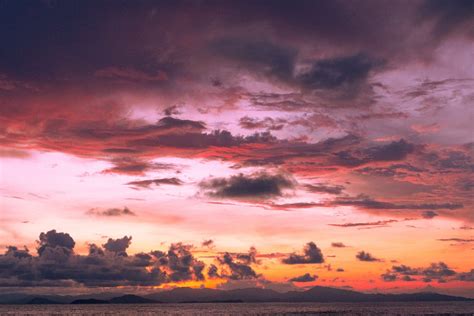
pixel 318 294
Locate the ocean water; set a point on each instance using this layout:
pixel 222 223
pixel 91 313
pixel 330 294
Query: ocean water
pixel 408 308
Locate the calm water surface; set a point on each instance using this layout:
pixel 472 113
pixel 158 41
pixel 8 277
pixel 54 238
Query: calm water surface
pixel 421 308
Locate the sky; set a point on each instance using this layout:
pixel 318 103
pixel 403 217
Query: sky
pixel 227 144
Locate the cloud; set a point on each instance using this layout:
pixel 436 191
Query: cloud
pixel 458 240
pixel 366 202
pixel 429 214
pixel 111 212
pixel 324 188
pixel 14 153
pixel 438 271
pixel 333 73
pixel 131 74
pixel 267 123
pixel 237 266
pixel 466 276
pixel 110 266
pixel 388 277
pixel 448 16
pixel 269 58
pixel 311 254
pixel 118 246
pixel 394 151
pixel 365 256
pixel 258 185
pixel 304 278
pixel 182 265
pixel 395 170
pixel 377 223
pixel 296 205
pixel 209 243
pixel 52 241
pixel 338 245
pixel 147 183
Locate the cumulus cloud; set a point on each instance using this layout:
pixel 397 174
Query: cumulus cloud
pixel 259 185
pixel 437 271
pixel 109 265
pixel 311 254
pixel 304 278
pixel 118 246
pixel 236 266
pixel 365 256
pixel 52 241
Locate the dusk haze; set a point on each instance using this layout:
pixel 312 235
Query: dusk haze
pixel 196 157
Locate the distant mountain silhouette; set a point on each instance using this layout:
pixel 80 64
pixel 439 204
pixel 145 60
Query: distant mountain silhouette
pixel 41 301
pixel 89 301
pixel 191 295
pixel 131 299
pixel 315 294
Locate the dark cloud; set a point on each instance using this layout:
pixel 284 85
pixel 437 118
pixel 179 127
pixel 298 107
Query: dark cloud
pixel 297 205
pixel 304 278
pixel 365 256
pixel 171 110
pixel 237 266
pixel 182 264
pixel 208 243
pixel 366 202
pixel 429 214
pixel 336 72
pixel 58 265
pixel 311 254
pixel 449 16
pixel 393 151
pixel 458 240
pixel 273 60
pixel 52 241
pixel 147 183
pixel 438 271
pixel 95 130
pixel 267 123
pixel 213 271
pixel 377 223
pixel 324 188
pixel 466 276
pixel 111 212
pixel 258 185
pixel 118 246
pixel 218 138
pixel 338 245
pixel 388 277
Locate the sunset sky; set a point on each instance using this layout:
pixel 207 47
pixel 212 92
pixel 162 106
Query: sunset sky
pixel 229 144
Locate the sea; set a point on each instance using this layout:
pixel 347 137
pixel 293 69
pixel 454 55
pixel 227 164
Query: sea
pixel 408 308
